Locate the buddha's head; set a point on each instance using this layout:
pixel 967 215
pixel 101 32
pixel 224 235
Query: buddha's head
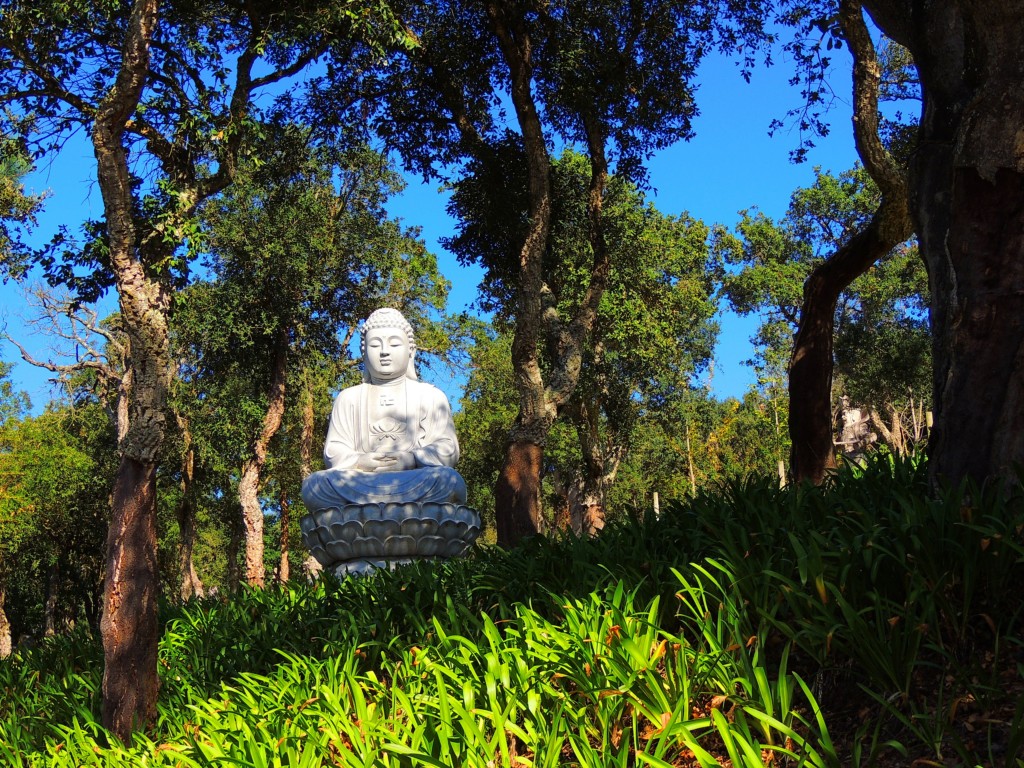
pixel 388 346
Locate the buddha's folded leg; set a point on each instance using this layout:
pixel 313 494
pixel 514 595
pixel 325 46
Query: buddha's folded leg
pixel 337 487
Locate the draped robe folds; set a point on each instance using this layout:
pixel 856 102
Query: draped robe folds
pixel 427 431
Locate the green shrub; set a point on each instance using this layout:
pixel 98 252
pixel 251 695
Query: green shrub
pixel 708 634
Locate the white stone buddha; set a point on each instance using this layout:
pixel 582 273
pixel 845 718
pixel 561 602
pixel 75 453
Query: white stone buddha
pixel 391 438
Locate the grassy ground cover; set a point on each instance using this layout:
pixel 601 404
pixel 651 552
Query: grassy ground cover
pixel 868 623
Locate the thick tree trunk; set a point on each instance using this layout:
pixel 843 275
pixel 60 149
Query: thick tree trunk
pixel 5 628
pixel 979 402
pixel 586 506
pixel 810 369
pixel 967 200
pixel 252 522
pixel 252 469
pixel 518 493
pixel 602 457
pixel 129 625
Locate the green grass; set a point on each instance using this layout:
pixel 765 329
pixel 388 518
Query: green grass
pixel 865 623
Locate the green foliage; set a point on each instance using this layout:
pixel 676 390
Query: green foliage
pixel 653 330
pixel 882 336
pixel 13 404
pixel 208 64
pixel 710 632
pixel 56 470
pixel 15 206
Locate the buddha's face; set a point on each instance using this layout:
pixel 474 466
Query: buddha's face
pixel 387 354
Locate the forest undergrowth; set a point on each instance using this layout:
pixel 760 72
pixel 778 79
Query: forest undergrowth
pixel 869 622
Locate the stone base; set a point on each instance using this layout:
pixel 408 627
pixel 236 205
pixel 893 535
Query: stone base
pixel 358 538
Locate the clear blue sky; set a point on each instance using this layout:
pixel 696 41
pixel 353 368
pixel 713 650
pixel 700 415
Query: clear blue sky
pixel 732 164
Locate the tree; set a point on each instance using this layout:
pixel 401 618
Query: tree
pixel 611 78
pixel 776 260
pixel 166 97
pixel 651 332
pixel 966 197
pixel 810 368
pixel 55 475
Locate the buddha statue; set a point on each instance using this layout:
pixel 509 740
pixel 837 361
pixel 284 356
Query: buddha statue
pixel 390 454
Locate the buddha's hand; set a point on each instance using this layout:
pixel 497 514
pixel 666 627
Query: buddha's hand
pixel 386 462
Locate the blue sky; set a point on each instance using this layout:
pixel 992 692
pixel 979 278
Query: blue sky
pixel 730 165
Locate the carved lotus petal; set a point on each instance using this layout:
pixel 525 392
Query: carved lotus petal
pixel 400 546
pixel 320 554
pixel 451 529
pixel 339 550
pixel 430 546
pixel 346 531
pixel 381 529
pixel 398 512
pixel 307 524
pixel 419 527
pixel 360 537
pixel 367 547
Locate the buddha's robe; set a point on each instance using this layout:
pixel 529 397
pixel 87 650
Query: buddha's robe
pixel 409 416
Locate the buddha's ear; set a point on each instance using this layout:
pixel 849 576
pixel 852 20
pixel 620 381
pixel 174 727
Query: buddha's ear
pixel 410 371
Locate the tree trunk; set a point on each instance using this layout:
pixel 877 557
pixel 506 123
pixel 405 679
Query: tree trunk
pixel 812 453
pixel 284 569
pixel 979 402
pixel 602 457
pixel 5 628
pixel 191 585
pixel 518 493
pixel 967 200
pixel 586 506
pixel 129 625
pixel 252 468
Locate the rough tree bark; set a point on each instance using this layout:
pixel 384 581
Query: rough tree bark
pixel 967 200
pixel 602 457
pixel 129 624
pixel 252 468
pixel 810 370
pixel 517 494
pixel 191 584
